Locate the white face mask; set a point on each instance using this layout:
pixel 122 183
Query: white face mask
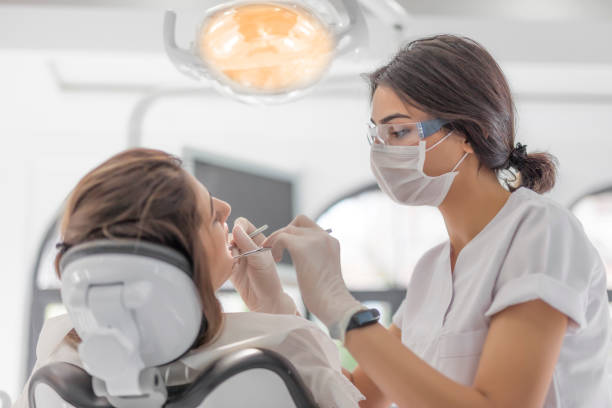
pixel 399 173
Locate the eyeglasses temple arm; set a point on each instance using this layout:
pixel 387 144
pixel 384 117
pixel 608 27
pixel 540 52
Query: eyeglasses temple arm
pixel 430 127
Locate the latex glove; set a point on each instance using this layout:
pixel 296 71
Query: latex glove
pixel 316 256
pixel 255 276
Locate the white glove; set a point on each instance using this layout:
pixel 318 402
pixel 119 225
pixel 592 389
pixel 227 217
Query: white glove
pixel 255 277
pixel 316 256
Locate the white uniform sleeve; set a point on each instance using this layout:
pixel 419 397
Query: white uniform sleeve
pixel 551 259
pixel 398 316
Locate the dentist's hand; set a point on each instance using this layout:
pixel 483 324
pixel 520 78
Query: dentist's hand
pixel 255 277
pixel 316 256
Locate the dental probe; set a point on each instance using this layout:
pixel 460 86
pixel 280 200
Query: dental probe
pixel 261 249
pixel 252 234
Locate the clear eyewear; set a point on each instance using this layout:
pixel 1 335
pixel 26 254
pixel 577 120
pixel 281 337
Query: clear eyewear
pixel 403 134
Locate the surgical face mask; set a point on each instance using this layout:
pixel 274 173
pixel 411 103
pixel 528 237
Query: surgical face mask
pixel 399 173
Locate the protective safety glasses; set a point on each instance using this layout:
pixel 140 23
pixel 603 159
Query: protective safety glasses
pixel 403 134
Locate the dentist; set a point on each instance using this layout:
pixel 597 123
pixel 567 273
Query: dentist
pixel 512 310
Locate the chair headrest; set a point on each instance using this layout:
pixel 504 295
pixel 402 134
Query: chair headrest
pixel 130 247
pixel 134 305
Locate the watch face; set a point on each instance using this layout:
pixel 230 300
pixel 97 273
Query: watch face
pixel 365 316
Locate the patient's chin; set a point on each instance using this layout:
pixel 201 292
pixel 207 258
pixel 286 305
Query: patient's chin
pixel 222 273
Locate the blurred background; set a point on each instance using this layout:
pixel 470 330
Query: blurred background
pixel 81 80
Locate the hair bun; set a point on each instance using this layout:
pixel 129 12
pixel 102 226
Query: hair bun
pixel 518 155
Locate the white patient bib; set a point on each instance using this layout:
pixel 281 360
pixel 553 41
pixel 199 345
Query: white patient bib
pixel 313 354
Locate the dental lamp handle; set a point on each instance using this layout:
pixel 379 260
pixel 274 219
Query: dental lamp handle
pixel 185 61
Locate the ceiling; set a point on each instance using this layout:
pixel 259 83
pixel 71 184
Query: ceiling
pixel 530 10
pixel 122 39
pixel 575 31
pixel 541 10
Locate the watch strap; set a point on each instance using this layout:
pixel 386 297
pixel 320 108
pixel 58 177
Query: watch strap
pixel 363 318
pixel 338 329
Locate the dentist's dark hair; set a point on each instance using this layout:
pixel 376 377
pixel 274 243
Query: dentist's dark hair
pixel 455 78
pixel 143 194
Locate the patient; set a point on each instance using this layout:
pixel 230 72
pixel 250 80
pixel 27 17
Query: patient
pixel 145 195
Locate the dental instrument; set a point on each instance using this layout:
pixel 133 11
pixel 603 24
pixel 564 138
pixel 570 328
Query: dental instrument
pixel 261 249
pixel 252 234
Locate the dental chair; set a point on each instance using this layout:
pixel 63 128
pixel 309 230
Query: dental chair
pixel 137 311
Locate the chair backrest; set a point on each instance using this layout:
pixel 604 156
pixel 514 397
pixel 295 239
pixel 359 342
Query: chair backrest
pixel 249 377
pixel 58 384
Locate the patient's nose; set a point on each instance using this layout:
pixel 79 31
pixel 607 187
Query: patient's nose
pixel 226 209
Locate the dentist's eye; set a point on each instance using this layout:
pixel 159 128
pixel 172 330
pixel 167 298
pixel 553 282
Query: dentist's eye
pixel 399 131
pixel 400 134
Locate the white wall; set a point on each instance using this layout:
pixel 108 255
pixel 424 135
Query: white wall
pixel 323 139
pixel 51 138
pixel 48 141
pixel 579 135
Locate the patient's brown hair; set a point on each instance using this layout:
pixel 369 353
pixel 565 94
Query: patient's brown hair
pixel 142 194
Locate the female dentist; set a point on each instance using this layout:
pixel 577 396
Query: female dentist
pixel 512 310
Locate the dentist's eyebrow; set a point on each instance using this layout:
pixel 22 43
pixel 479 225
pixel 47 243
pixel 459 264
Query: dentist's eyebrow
pixel 391 117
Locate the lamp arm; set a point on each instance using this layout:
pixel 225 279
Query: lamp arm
pixel 353 35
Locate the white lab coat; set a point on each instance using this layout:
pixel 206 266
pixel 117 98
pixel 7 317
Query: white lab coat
pixel 532 249
pixel 312 352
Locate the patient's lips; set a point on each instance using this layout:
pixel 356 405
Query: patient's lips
pixel 228 238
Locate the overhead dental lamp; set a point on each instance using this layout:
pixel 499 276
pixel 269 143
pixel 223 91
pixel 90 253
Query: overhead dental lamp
pixel 268 52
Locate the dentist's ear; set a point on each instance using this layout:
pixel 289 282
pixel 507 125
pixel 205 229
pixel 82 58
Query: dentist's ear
pixel 467 146
pixel 460 138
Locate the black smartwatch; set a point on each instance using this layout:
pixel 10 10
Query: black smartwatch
pixel 363 318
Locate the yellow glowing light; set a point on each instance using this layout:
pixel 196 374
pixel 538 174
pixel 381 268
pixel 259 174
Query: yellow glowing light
pixel 266 47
